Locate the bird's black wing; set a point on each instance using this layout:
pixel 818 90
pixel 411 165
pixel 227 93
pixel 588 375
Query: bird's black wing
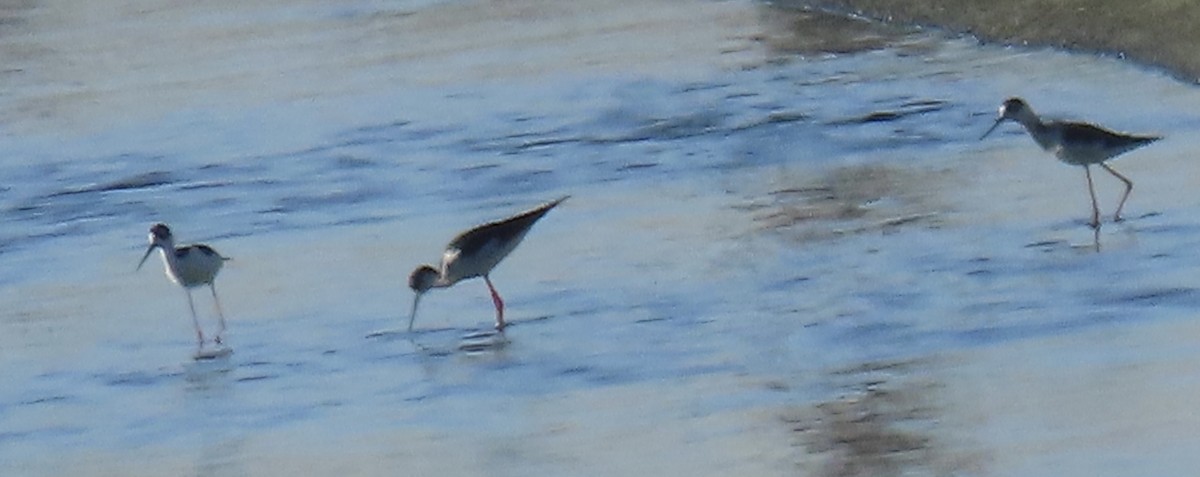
pixel 205 249
pixel 1083 133
pixel 502 231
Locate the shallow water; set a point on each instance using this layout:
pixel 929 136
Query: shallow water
pixel 785 252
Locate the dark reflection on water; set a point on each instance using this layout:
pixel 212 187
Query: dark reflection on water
pixel 484 341
pixel 852 200
pixel 883 423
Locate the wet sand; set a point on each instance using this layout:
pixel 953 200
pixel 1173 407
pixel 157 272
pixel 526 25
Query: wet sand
pixel 1165 34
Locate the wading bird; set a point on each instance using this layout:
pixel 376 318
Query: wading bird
pixel 189 266
pixel 475 253
pixel 1077 144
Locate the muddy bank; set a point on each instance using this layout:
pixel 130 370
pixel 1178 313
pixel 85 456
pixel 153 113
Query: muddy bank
pixel 1164 34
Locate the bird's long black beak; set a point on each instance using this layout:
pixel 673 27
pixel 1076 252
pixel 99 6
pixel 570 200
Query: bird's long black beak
pixel 413 317
pixel 145 256
pixel 993 128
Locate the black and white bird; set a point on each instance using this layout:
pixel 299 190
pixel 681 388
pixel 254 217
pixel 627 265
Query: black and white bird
pixel 474 253
pixel 1077 144
pixel 189 266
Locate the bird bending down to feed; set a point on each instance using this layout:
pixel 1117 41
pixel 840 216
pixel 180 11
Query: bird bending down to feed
pixel 475 253
pixel 1078 144
pixel 189 266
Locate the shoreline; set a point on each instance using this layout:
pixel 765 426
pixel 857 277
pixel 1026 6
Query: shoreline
pixel 1162 35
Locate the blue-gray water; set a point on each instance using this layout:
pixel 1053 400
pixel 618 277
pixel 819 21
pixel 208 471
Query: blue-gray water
pixel 786 252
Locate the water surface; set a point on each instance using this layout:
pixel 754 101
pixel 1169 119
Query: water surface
pixel 785 253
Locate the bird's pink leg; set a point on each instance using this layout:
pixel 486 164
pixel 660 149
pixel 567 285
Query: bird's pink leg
pixel 195 321
pixel 1128 189
pixel 498 302
pixel 1092 190
pixel 220 314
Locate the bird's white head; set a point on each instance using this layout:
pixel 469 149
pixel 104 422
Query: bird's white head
pixel 421 280
pixel 160 237
pixel 1014 109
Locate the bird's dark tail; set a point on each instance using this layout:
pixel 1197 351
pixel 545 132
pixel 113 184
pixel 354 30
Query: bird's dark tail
pixel 536 213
